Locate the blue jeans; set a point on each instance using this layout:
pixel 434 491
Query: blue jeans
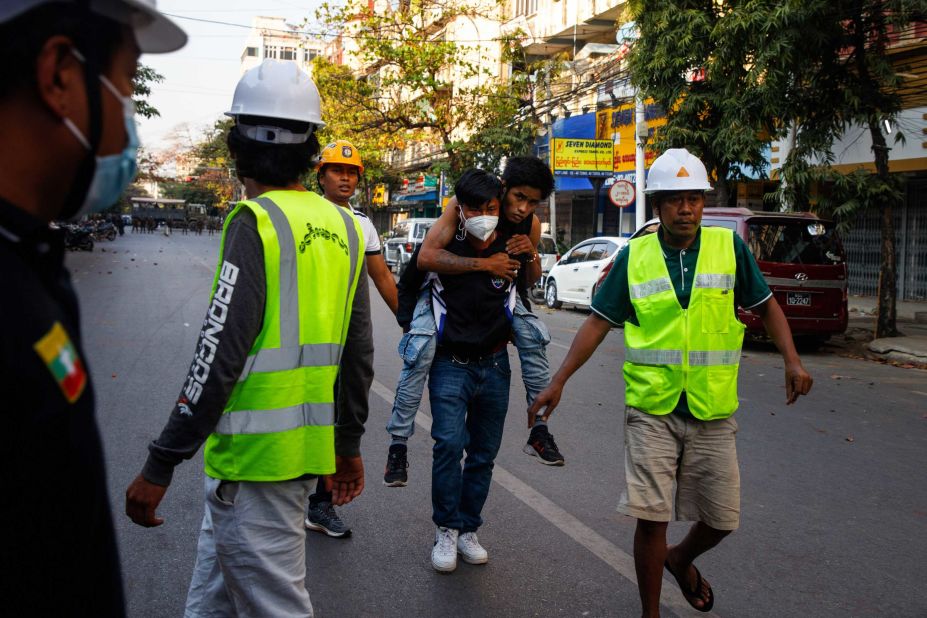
pixel 531 338
pixel 417 349
pixel 469 401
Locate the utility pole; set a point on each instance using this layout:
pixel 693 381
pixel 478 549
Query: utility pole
pixel 625 37
pixel 640 134
pixel 552 200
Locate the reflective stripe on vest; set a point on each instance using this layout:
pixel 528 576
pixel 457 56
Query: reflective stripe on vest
pixel 275 421
pixel 649 288
pixel 714 357
pixel 697 349
pixel 653 357
pixel 708 280
pixel 279 421
pixel 280 359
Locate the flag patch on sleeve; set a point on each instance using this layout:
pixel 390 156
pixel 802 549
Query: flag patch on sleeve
pixel 62 360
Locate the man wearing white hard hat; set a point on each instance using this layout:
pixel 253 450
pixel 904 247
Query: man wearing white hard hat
pixel 676 293
pixel 286 311
pixel 69 143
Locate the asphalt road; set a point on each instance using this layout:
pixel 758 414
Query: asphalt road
pixel 834 499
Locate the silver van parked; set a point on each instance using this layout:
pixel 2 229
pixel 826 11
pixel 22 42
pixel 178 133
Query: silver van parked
pixel 403 240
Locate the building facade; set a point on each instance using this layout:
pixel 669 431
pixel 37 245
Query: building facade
pixel 273 38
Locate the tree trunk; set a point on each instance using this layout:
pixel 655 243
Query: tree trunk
pixel 366 206
pixel 886 323
pixel 722 189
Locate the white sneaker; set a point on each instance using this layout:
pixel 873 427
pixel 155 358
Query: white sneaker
pixel 444 554
pixel 471 550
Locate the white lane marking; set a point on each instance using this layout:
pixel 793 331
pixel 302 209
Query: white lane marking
pixel 620 561
pixel 559 345
pixel 920 393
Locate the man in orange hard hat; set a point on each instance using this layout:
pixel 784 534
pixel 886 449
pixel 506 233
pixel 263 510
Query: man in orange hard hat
pixel 339 171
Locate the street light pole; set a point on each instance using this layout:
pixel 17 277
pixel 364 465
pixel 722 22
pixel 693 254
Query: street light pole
pixel 552 200
pixel 640 132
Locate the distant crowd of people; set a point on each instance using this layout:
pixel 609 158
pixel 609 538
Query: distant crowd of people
pixel 149 225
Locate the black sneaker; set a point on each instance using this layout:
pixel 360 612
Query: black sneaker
pixel 323 518
pixel 541 445
pixel 396 464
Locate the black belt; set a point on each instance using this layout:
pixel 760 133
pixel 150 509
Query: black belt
pixel 464 358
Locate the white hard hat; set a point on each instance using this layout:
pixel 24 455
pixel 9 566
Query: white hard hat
pixel 677 170
pixel 277 89
pixel 154 32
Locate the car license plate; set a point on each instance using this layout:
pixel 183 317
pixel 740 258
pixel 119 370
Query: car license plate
pixel 800 299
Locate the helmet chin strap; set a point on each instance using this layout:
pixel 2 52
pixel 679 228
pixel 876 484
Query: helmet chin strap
pixel 78 192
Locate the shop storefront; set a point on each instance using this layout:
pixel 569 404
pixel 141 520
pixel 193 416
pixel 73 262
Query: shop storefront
pixel 416 198
pixel 582 210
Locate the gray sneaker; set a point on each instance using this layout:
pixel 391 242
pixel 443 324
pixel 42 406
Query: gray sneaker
pixel 323 518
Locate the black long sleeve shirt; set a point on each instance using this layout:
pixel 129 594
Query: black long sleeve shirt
pixel 57 546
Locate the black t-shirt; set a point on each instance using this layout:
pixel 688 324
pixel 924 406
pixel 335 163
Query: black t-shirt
pixel 412 279
pixel 476 320
pixel 58 550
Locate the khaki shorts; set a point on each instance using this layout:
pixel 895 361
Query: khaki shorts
pixel 679 468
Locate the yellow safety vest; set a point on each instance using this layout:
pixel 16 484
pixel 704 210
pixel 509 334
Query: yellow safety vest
pixel 675 349
pixel 279 421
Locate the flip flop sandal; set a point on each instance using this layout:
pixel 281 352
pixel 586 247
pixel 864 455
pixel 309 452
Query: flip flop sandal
pixel 693 595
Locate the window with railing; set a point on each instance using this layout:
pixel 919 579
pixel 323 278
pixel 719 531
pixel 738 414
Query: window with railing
pixel 526 7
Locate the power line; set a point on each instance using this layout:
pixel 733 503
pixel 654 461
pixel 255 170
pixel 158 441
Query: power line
pixel 324 34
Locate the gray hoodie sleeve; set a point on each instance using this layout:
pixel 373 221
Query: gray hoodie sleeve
pixel 355 375
pixel 233 322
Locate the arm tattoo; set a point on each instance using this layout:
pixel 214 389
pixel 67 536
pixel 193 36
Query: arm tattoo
pixel 446 259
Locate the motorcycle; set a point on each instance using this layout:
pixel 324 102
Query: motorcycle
pixel 77 238
pixel 103 230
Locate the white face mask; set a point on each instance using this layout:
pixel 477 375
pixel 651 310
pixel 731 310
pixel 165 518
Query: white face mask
pixel 481 227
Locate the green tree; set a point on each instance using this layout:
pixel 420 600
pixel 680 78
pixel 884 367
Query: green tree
pixel 344 120
pixel 216 169
pixel 829 69
pixel 509 122
pixel 693 58
pixel 415 87
pixel 193 191
pixel 141 85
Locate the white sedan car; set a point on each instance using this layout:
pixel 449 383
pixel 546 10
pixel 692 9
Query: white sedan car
pixel 573 279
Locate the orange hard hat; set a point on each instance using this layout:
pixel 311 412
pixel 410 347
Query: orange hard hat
pixel 341 151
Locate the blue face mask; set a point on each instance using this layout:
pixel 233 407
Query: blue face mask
pixel 113 173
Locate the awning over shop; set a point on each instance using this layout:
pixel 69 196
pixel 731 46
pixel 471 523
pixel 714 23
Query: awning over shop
pixel 580 127
pixel 572 183
pixel 428 196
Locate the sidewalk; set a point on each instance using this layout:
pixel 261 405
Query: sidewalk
pixel 910 349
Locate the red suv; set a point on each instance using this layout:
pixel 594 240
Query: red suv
pixel 801 258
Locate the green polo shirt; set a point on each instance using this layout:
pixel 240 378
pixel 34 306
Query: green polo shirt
pixel 613 299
